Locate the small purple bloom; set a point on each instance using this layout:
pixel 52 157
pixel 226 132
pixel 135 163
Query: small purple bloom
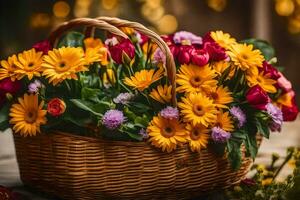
pixel 186 38
pixel 276 115
pixel 123 98
pixel 35 86
pixel 112 119
pixel 239 115
pixel 169 113
pixel 144 133
pixel 219 135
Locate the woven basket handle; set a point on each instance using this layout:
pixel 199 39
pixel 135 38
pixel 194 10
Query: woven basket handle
pixel 170 64
pixel 110 24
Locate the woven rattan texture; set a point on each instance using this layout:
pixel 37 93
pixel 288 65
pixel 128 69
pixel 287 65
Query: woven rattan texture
pixel 74 167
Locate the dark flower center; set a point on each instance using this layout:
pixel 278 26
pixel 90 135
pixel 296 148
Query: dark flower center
pixel 198 110
pixel 168 132
pixel 30 116
pixel 195 81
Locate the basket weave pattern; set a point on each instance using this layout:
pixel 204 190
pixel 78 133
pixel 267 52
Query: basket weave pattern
pixel 76 167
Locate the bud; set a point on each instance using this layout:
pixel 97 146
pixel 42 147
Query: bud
pixel 56 107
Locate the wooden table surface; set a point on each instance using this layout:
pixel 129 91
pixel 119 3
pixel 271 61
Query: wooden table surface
pixel 9 172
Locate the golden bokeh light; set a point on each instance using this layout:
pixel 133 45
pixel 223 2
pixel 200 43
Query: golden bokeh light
pixel 109 4
pixel 217 5
pixel 61 9
pixel 152 14
pixel 40 20
pixel 294 26
pixel 284 7
pixel 153 3
pixel 167 24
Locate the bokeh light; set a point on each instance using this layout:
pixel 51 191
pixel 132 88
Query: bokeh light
pixel 109 4
pixel 167 24
pixel 217 5
pixel 61 9
pixel 284 7
pixel 40 20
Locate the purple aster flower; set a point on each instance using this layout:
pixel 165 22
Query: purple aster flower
pixel 123 98
pixel 144 133
pixel 239 115
pixel 35 86
pixel 219 135
pixel 276 115
pixel 169 113
pixel 112 119
pixel 186 38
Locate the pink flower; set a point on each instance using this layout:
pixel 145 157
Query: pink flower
pixel 184 55
pixel 216 52
pixel 9 86
pixel 272 71
pixel 200 57
pixel 187 38
pixel 159 57
pixel 283 83
pixel 43 46
pixel 257 97
pixel 119 50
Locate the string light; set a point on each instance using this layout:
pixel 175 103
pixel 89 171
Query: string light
pixel 61 9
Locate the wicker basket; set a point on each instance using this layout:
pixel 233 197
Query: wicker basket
pixel 77 167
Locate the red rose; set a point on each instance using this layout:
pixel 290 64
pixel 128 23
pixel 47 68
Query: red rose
pixel 184 54
pixel 272 71
pixel 257 97
pixel 216 52
pixel 289 113
pixel 118 50
pixel 43 46
pixel 200 57
pixel 56 107
pixel 9 86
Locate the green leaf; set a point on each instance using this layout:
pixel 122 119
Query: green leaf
pixel 72 39
pixel 87 106
pixel 4 117
pixel 135 136
pixel 251 145
pixel 240 134
pixel 234 153
pixel 129 114
pixel 90 94
pixel 141 121
pixel 266 49
pixel 262 128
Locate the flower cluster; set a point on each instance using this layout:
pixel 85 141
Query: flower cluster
pixel 226 91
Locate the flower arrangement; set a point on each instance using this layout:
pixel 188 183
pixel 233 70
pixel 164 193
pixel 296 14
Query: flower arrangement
pixel 116 89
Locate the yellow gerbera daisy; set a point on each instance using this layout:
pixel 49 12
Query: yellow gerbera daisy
pixel 285 99
pixel 9 68
pixel 245 57
pixel 224 121
pixel 264 81
pixel 166 134
pixel 197 137
pixel 220 96
pixel 93 43
pixel 223 39
pixel 143 79
pixel 198 109
pixel 221 66
pixel 96 55
pixel 29 64
pixel 193 78
pixel 27 115
pixel 63 63
pixel 162 94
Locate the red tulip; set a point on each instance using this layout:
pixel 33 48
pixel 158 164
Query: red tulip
pixel 119 50
pixel 216 52
pixel 43 46
pixel 184 54
pixel 9 86
pixel 290 113
pixel 200 57
pixel 272 71
pixel 257 97
pixel 207 38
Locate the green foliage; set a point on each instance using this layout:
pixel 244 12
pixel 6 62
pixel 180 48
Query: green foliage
pixel 266 49
pixel 72 39
pixel 234 152
pixel 96 109
pixel 4 117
